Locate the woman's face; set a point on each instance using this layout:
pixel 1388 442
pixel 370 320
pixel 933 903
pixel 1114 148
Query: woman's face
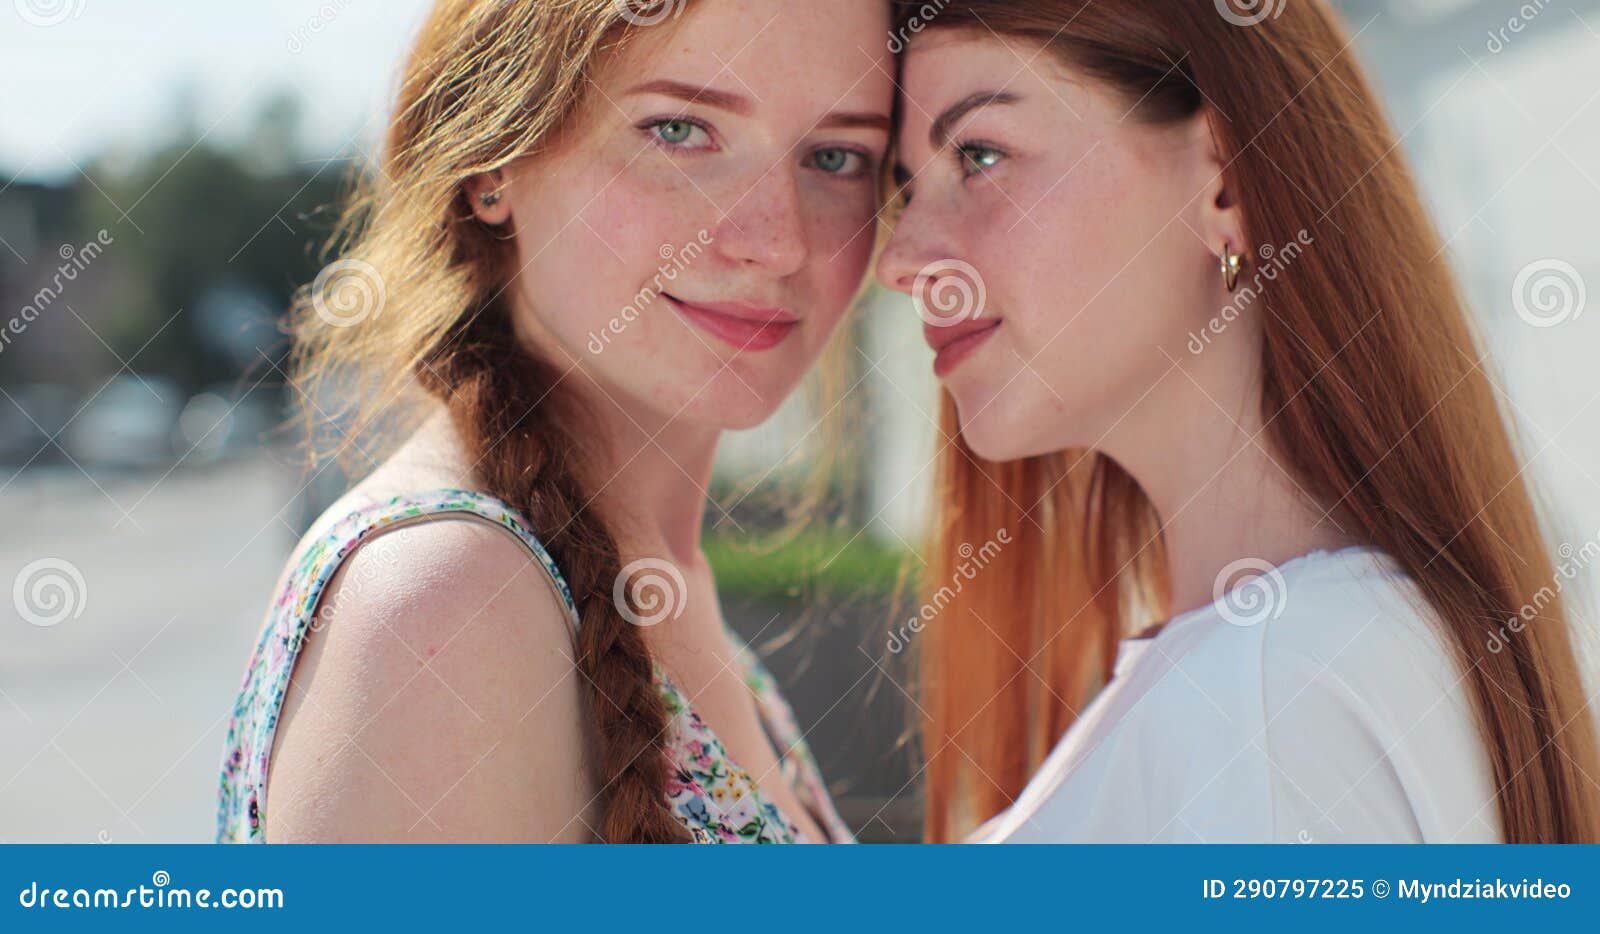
pixel 703 225
pixel 1061 251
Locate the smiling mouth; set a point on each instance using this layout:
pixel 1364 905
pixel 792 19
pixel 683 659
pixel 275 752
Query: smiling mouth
pixel 956 343
pixel 745 327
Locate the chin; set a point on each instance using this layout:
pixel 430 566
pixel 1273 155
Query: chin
pixel 731 405
pixel 996 437
pixel 989 437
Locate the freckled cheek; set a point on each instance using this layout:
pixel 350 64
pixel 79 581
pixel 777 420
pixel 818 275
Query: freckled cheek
pixel 593 240
pixel 841 236
pixel 1042 267
pixel 1078 223
pixel 636 216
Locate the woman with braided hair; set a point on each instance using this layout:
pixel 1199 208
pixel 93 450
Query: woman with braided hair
pixel 601 234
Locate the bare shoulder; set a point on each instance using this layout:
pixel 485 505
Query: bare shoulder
pixel 436 699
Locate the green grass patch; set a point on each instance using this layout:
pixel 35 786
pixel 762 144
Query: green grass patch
pixel 814 563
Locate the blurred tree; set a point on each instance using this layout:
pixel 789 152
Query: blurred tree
pixel 205 223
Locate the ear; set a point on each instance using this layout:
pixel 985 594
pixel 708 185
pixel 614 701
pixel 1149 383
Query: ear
pixel 1219 218
pixel 490 198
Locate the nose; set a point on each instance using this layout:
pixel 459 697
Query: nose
pixel 913 250
pixel 766 227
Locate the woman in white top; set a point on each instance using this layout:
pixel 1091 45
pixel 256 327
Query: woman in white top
pixel 1340 720
pixel 1204 362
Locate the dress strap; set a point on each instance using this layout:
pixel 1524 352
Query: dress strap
pixel 795 761
pixel 241 807
pixel 411 508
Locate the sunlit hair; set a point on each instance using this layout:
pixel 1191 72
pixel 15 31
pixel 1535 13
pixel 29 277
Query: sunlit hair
pixel 414 309
pixel 1375 398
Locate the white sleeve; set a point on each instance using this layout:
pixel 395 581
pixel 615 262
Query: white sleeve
pixel 1330 774
pixel 1172 755
pixel 1372 735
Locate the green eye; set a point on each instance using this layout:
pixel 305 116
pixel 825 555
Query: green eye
pixel 835 161
pixel 679 133
pixel 676 132
pixel 831 160
pixel 975 159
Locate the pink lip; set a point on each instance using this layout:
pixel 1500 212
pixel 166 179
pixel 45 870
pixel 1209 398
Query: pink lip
pixel 958 342
pixel 746 327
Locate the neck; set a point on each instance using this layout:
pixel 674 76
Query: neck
pixel 654 488
pixel 1229 496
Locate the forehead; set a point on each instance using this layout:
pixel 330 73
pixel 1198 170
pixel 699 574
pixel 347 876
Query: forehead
pixel 816 55
pixel 941 65
pixel 945 67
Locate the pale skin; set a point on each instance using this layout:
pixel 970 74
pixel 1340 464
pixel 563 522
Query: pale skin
pixel 1097 238
pixel 442 702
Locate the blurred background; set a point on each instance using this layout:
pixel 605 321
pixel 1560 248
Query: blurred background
pixel 166 171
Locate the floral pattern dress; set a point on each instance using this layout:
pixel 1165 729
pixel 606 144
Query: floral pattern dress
pixel 711 795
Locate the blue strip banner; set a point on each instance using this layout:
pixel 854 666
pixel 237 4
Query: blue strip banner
pixel 176 887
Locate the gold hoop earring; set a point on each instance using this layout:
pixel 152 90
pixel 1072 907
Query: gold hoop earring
pixel 1231 263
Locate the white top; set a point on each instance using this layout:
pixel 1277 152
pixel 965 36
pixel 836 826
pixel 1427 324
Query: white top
pixel 1314 703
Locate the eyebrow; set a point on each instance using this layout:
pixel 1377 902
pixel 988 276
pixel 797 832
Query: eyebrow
pixel 723 100
pixel 851 120
pixel 693 94
pixel 939 133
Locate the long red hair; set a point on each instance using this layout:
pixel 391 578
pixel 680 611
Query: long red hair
pixel 1375 398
